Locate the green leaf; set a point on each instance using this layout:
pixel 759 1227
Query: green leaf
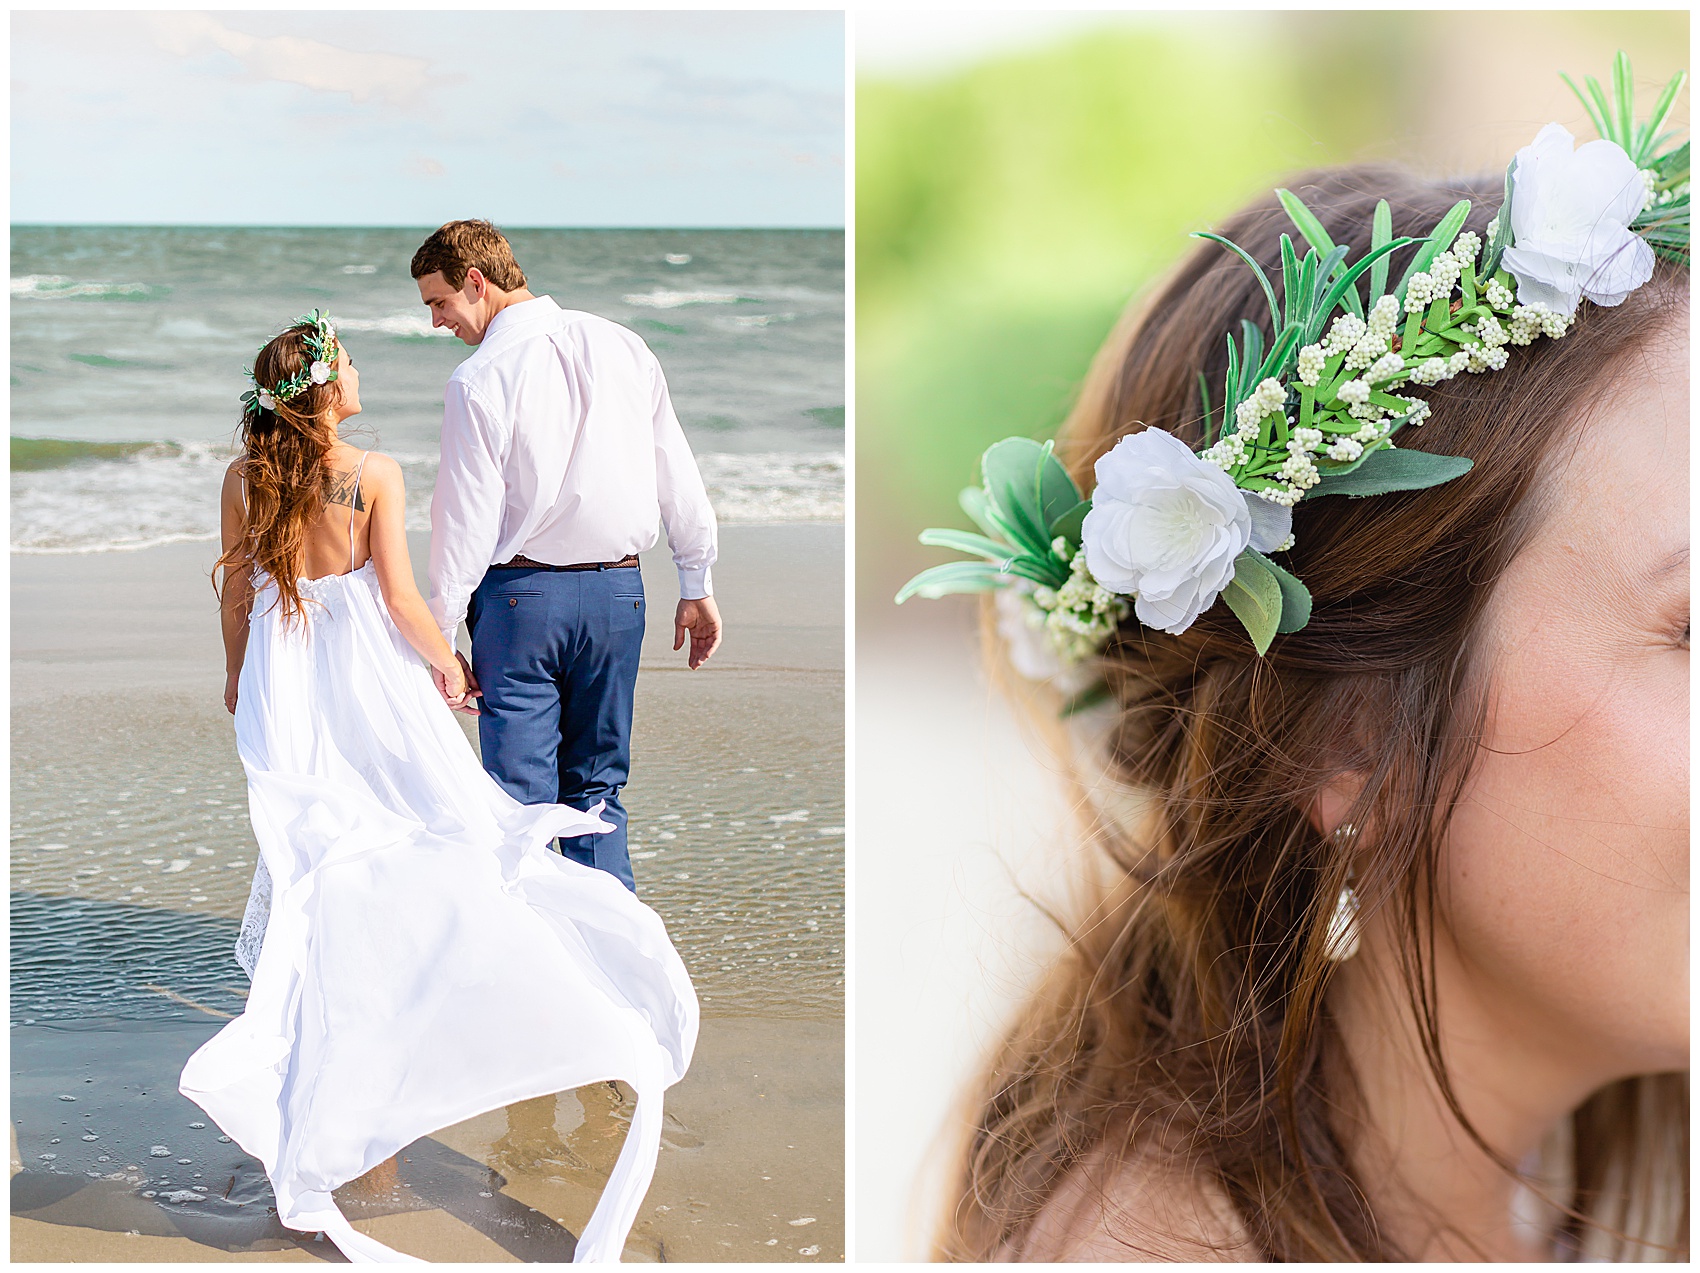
pixel 1068 525
pixel 1623 84
pixel 964 541
pixel 1599 95
pixel 1439 239
pixel 1343 284
pixel 1237 250
pixel 1231 389
pixel 953 576
pixel 1306 223
pixel 1009 470
pixel 1646 136
pixel 1380 234
pixel 1387 470
pixel 1251 358
pixel 1326 268
pixel 1254 594
pixel 1281 354
pixel 1593 111
pixel 1295 597
pixel 1289 279
pixel 1204 400
pixel 1057 492
pixel 979 508
pixel 1672 168
pixel 1502 238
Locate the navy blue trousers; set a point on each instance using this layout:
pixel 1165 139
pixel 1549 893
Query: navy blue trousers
pixel 556 654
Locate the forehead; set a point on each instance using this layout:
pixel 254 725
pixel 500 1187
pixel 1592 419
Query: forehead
pixel 434 287
pixel 1618 502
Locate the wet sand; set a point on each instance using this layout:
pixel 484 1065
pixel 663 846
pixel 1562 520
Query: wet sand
pixel 130 830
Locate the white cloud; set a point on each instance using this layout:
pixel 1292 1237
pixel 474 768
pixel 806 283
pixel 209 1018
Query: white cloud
pixel 388 77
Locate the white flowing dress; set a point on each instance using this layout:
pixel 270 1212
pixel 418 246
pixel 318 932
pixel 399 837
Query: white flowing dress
pixel 425 956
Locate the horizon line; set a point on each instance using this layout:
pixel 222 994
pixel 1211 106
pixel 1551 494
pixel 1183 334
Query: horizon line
pixel 328 225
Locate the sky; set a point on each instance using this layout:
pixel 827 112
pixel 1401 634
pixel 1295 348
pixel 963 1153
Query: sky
pixel 398 118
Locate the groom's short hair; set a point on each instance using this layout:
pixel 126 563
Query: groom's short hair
pixel 463 245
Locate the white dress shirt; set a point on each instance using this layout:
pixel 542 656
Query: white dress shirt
pixel 560 444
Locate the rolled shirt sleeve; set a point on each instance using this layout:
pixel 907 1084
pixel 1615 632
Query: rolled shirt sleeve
pixel 692 533
pixel 466 507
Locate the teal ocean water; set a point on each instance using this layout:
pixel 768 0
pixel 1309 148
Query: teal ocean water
pixel 129 347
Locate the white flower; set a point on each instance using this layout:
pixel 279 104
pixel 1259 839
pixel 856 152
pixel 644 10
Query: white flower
pixel 1570 213
pixel 267 402
pixel 1167 526
pixel 319 372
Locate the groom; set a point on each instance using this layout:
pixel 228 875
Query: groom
pixel 560 453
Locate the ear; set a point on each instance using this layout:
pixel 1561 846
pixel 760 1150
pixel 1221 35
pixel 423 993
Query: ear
pixel 1333 802
pixel 476 284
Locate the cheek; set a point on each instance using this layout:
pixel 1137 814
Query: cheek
pixel 1566 870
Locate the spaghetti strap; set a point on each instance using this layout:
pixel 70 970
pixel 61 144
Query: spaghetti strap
pixel 352 503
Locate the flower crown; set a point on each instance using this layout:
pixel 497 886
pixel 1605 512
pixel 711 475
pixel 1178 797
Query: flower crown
pixel 1166 531
pixel 323 352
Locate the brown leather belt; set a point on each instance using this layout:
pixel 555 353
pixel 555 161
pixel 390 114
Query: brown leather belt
pixel 526 563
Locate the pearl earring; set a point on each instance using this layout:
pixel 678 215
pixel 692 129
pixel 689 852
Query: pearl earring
pixel 1342 941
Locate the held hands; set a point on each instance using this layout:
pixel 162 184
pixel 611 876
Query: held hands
pixel 701 618
pixel 457 685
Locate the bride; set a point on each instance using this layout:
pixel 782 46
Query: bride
pixel 417 954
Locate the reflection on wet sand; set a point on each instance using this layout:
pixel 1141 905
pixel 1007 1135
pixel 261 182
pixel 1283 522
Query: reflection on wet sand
pixel 131 854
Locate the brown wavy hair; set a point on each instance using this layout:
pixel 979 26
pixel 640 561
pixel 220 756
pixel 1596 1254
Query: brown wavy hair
pixel 455 248
pixel 282 464
pixel 1186 1018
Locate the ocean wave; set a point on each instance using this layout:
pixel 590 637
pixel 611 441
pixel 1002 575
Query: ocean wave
pixel 745 322
pixel 55 287
pixel 85 497
pixel 799 295
pixel 410 326
pixel 661 298
pixel 774 486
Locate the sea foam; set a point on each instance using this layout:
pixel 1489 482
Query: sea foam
pixel 56 287
pixel 112 497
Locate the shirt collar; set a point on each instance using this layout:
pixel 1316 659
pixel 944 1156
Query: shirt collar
pixel 523 312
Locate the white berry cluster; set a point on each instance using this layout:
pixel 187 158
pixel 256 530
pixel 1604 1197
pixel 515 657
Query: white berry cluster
pixel 1081 615
pixel 1529 321
pixel 1267 399
pixel 1377 338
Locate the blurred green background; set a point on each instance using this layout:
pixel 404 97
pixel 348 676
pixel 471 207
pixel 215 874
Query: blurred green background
pixel 1010 201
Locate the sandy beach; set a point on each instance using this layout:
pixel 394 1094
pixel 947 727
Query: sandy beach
pixel 130 865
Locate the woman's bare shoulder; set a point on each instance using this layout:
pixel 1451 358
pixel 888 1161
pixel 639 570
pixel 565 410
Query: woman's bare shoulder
pixel 1144 1208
